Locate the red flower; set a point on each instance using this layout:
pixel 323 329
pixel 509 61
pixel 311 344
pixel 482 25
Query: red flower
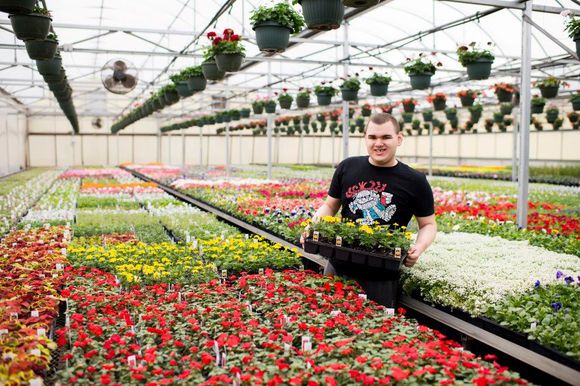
pixel 211 35
pixel 399 374
pixel 235 38
pixel 217 41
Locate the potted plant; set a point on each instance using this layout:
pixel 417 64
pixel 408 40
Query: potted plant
pixel 324 93
pixel 416 124
pixel 322 15
pixel 270 106
pixel 273 26
pixel 503 91
pixel 32 26
pixel 196 80
pixel 303 98
pixel 498 117
pixel 169 92
pixel 427 115
pixel 407 117
pixel 575 100
pixel 42 49
pixel 548 86
pixel 478 61
pixel 439 101
pixel 557 124
pixel 245 112
pixel 475 111
pixel 467 97
pixel 180 81
pixel 258 107
pixel 573 116
pixel 409 104
pixel 538 104
pixel 306 118
pixel 506 108
pixel 229 51
pixel 50 66
pixel 235 114
pixel 366 110
pixel 451 113
pixel 420 71
pixel 17 6
pixel 349 88
pixel 552 112
pixel 285 99
pixel 573 29
pixel 209 66
pixel 379 84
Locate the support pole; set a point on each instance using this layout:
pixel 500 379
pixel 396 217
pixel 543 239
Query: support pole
pixel 201 147
pixel 228 150
pixel 158 142
pixel 270 119
pixel 430 149
pixel 118 150
pixel 345 119
pixel 182 149
pixel 523 171
pixel 516 126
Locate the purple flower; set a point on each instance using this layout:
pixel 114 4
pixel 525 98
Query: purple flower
pixel 537 284
pixel 556 306
pixel 559 274
pixel 569 280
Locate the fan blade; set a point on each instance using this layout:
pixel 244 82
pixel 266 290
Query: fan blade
pixel 130 81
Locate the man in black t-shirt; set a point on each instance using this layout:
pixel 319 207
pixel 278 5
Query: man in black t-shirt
pixel 380 188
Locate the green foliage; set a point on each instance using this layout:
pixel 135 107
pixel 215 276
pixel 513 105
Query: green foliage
pixel 285 97
pixel 476 107
pixel 52 36
pixel 471 54
pixel 421 66
pixel 193 72
pixel 550 81
pixel 573 27
pixel 325 89
pixel 538 100
pixel 575 97
pixel 281 13
pixel 351 83
pixel 41 11
pixel 377 78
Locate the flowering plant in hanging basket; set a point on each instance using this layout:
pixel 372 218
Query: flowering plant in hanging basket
pixel 366 110
pixel 285 99
pixel 467 97
pixel 349 88
pixel 324 93
pixel 439 100
pixel 420 71
pixel 303 97
pixel 575 100
pixel 503 91
pixel 409 104
pixel 477 60
pixel 270 105
pixel 273 26
pixel 549 86
pixel 379 84
pixel 32 26
pixel 228 49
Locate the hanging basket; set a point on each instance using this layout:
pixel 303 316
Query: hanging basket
pixel 17 6
pixel 379 90
pixel 211 71
pixel 439 104
pixel 506 109
pixel 30 27
pixel 55 78
pixel 427 117
pixel 183 89
pixel 420 81
pixel 360 3
pixel 270 108
pixel 245 113
pixel 58 86
pixel 41 49
pixel 549 92
pixel 551 116
pixel 479 70
pixel 272 37
pixel 577 41
pixel 366 112
pixel 349 95
pixel 322 15
pixel 63 95
pixel 451 116
pixel 285 103
pixel 503 96
pixel 197 83
pixel 409 107
pixel 50 66
pixel 258 109
pixel 576 105
pixel 323 99
pixel 538 109
pixel 229 62
pixel 467 101
pixel 475 116
pixel 407 118
pixel 171 97
pixel 303 102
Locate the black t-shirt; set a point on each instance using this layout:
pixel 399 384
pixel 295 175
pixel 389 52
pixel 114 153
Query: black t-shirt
pixel 389 195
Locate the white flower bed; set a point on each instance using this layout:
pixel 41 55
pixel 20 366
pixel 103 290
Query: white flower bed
pixel 471 271
pixel 57 204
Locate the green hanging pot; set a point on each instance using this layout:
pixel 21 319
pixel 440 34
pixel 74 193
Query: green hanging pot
pixel 270 108
pixel 285 103
pixel 379 90
pixel 366 112
pixel 63 95
pixel 197 83
pixel 538 109
pixel 577 41
pixel 41 49
pixel 323 99
pixel 408 107
pixel 506 109
pixel 439 104
pixel 58 86
pixel 349 95
pixel 551 116
pixel 360 3
pixel 322 15
pixel 33 26
pixel 229 62
pixel 258 109
pixel 272 37
pixel 55 78
pixel 183 89
pixel 503 96
pixel 17 6
pixel 451 116
pixel 549 92
pixel 576 105
pixel 50 66
pixel 245 113
pixel 171 97
pixel 420 81
pixel 211 71
pixel 475 116
pixel 479 70
pixel 408 118
pixel 427 117
pixel 467 101
pixel 303 102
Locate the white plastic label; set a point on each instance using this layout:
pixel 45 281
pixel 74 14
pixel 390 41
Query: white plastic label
pixel 306 343
pixel 389 311
pixel 34 314
pixel 338 241
pixel 362 296
pixel 315 236
pixel 132 361
pixel 41 332
pixel 36 382
pixel 35 352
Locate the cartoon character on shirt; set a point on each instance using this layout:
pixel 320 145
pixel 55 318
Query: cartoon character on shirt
pixel 370 198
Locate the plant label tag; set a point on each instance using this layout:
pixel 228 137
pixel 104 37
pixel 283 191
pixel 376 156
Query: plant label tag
pixel 36 382
pixel 179 296
pixel 250 307
pixel 41 332
pixel 117 281
pixel 133 329
pixel 170 287
pixel 338 241
pixel 223 359
pixel 261 271
pixel 315 236
pixel 246 236
pixel 237 381
pixel 194 244
pixel 301 268
pixel 34 314
pixel 287 319
pixel 362 296
pixel 54 275
pixel 132 361
pixel 224 273
pixel 306 343
pixel 67 321
pixel 187 237
pixel 286 348
pixel 389 311
pixel 201 250
pixel 36 352
pixel 3 331
pixel 14 316
pixel 334 313
pixel 533 325
pixel 63 251
pixel 398 253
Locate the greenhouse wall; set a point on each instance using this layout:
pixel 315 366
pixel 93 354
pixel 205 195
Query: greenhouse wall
pixel 12 141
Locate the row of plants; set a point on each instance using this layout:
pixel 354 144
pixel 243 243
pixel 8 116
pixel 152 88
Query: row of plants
pixel 56 206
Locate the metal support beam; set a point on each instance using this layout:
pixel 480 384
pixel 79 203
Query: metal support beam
pixel 551 37
pixel 525 108
pixel 345 119
pixel 514 5
pixel 270 120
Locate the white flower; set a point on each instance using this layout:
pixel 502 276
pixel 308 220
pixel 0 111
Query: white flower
pixel 565 13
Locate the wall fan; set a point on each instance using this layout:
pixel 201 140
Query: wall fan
pixel 119 76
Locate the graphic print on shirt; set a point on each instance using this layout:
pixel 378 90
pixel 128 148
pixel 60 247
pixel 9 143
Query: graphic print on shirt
pixel 370 198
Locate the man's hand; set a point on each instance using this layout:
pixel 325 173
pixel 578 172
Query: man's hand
pixel 412 256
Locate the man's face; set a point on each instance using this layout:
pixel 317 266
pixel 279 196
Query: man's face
pixel 382 142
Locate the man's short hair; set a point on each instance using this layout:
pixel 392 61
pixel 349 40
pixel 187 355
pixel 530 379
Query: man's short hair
pixel 381 119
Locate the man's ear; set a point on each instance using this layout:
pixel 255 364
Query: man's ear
pixel 400 138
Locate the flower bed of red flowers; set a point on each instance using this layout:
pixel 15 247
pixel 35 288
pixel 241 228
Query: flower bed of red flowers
pixel 293 328
pixel 31 267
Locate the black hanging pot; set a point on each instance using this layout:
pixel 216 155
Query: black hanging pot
pixel 439 104
pixel 481 69
pixel 272 37
pixel 538 109
pixel 211 71
pixel 17 6
pixel 41 49
pixel 66 94
pixel 197 83
pixel 258 109
pixel 506 109
pixel 270 108
pixel 33 26
pixel 577 41
pixel 503 96
pixel 408 107
pixel 549 91
pixel 576 105
pixel 420 81
pixel 285 103
pixel 245 113
pixel 322 15
pixel 379 90
pixel 450 115
pixel 349 95
pixel 171 97
pixel 551 116
pixel 55 78
pixel 324 99
pixel 229 62
pixel 467 101
pixel 475 116
pixel 366 112
pixel 303 102
pixel 360 3
pixel 50 66
pixel 58 86
pixel 183 89
pixel 427 117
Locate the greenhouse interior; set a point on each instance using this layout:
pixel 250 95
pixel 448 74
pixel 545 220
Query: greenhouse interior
pixel 305 192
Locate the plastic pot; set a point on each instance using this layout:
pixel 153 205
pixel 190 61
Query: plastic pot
pixel 285 103
pixel 379 89
pixel 183 89
pixel 323 99
pixel 407 118
pixel 503 96
pixel 549 92
pixel 551 116
pixel 245 113
pixel 420 81
pixel 58 86
pixel 366 112
pixel 475 116
pixel 349 95
pixel 41 49
pixel 576 105
pixel 303 102
pixel 229 62
pixel 171 97
pixel 197 83
pixel 479 70
pixel 30 27
pixel 360 3
pixel 270 109
pixel 409 108
pixel 272 37
pixel 467 101
pixel 322 15
pixel 427 117
pixel 439 105
pixel 211 71
pixel 538 109
pixel 577 41
pixel 258 109
pixel 451 116
pixel 50 66
pixel 55 78
pixel 506 110
pixel 17 6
